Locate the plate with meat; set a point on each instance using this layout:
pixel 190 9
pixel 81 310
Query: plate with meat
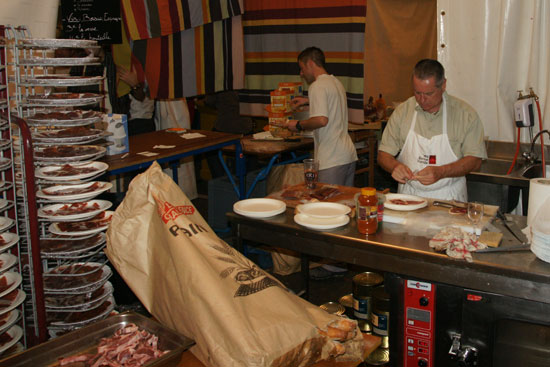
pixel 85 277
pixel 65 153
pixel 7 260
pixel 11 300
pixel 8 319
pixel 10 337
pixel 56 42
pixel 74 192
pixel 7 240
pixel 60 61
pixel 59 80
pixel 74 211
pixel 83 317
pixel 79 301
pixel 65 118
pixel 404 202
pixel 65 247
pixel 4 143
pixel 8 282
pixel 70 135
pixel 4 163
pixel 94 225
pixel 64 99
pixel 71 172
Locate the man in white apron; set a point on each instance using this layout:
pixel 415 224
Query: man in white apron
pixel 433 139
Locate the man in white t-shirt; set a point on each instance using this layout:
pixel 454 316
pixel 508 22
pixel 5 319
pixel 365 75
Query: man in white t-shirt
pixel 328 119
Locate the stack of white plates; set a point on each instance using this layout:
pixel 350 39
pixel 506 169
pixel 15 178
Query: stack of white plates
pixel 322 215
pixel 259 208
pixel 540 245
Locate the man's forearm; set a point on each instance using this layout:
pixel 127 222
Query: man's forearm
pixel 387 161
pixel 461 167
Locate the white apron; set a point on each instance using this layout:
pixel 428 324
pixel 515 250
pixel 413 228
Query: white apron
pixel 419 152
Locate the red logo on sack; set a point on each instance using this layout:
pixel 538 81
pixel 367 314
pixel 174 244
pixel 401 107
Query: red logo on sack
pixel 171 212
pixel 432 159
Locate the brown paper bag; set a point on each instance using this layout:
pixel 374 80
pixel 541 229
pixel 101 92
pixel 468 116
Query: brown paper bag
pixel 193 282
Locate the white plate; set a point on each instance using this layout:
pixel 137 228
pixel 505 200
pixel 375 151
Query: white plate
pixel 73 246
pixel 6 305
pixel 16 333
pixel 54 227
pixel 57 42
pixel 259 208
pixel 100 167
pixel 5 162
pixel 13 280
pixel 4 143
pixel 89 287
pixel 62 159
pixel 321 223
pixel 102 205
pixel 8 320
pixel 100 315
pixel 83 302
pixel 78 119
pixel 3 203
pixel 10 239
pixel 323 210
pixel 5 223
pixel 391 206
pixel 7 260
pixel 48 193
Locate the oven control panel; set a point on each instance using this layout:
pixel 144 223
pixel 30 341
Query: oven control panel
pixel 419 309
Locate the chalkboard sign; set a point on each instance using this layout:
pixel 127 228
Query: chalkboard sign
pixel 92 19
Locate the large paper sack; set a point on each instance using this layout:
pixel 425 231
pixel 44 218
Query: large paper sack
pixel 193 282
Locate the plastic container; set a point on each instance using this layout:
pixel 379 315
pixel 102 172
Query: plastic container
pixel 367 211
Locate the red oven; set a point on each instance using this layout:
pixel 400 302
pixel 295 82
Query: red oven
pixel 439 325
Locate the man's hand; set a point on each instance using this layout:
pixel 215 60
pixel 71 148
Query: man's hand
pixel 128 77
pixel 291 125
pixel 297 102
pixel 429 175
pixel 398 170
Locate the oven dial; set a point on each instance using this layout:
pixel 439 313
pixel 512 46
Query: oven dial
pixel 424 301
pixel 422 363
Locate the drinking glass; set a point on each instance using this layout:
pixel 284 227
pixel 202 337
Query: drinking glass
pixel 311 172
pixel 475 213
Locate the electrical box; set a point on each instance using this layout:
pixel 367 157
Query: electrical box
pixel 523 112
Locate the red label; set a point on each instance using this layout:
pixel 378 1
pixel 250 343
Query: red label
pixel 432 159
pixel 473 297
pixel 170 212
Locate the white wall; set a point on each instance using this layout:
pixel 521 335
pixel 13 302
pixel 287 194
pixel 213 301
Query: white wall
pixel 40 16
pixel 491 49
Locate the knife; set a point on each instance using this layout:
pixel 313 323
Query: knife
pixel 447 205
pixel 522 247
pixel 504 222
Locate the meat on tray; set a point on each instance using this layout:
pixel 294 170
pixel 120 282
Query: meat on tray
pixel 87 275
pixel 70 170
pixel 65 116
pixel 60 245
pixel 73 191
pixel 325 193
pixel 72 300
pixel 63 96
pixel 98 221
pixel 405 202
pixel 66 151
pixel 4 285
pixel 72 317
pixel 130 344
pixel 74 208
pixel 72 132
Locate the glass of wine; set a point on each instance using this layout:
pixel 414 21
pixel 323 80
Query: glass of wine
pixel 475 213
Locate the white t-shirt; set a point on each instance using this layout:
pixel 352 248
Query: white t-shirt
pixel 141 110
pixel 333 145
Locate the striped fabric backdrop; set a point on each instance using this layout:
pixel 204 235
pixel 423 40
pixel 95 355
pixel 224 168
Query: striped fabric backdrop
pixel 201 60
pixel 275 31
pixel 155 18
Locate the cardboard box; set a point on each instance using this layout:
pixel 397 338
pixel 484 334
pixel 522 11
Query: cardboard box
pixel 118 125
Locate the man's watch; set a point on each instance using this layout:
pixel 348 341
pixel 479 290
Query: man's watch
pixel 298 126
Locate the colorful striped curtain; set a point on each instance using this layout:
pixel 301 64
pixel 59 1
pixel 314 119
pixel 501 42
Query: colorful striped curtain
pixel 275 31
pixel 155 18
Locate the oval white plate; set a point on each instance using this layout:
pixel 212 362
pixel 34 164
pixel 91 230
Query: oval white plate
pixel 259 208
pixel 321 223
pixel 9 320
pixel 7 260
pixel 54 227
pixel 100 167
pixel 97 151
pixel 49 193
pixel 13 279
pixel 9 239
pixel 89 287
pixel 6 223
pixel 391 206
pixel 323 210
pixel 16 333
pixel 6 305
pixel 102 206
pixel 107 289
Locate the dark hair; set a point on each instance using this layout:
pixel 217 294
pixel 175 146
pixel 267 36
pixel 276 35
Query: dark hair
pixel 314 54
pixel 427 68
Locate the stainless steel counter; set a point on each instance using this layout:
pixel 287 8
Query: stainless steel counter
pixel 518 274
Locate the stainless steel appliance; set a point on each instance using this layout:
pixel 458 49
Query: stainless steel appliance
pixel 434 324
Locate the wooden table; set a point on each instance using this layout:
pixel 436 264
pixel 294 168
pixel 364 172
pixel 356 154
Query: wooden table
pixel 212 140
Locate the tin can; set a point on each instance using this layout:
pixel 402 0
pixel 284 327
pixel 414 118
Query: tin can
pixel 381 315
pixel 363 285
pixel 347 302
pixel 333 308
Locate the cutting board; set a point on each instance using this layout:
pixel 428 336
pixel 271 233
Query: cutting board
pixel 346 195
pixel 437 217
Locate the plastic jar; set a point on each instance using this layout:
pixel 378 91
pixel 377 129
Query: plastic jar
pixel 367 211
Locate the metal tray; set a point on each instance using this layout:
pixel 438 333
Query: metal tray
pixel 86 338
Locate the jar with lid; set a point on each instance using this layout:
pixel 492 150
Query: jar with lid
pixel 367 211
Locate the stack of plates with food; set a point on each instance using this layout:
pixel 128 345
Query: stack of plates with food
pixel 259 208
pixel 322 216
pixel 10 297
